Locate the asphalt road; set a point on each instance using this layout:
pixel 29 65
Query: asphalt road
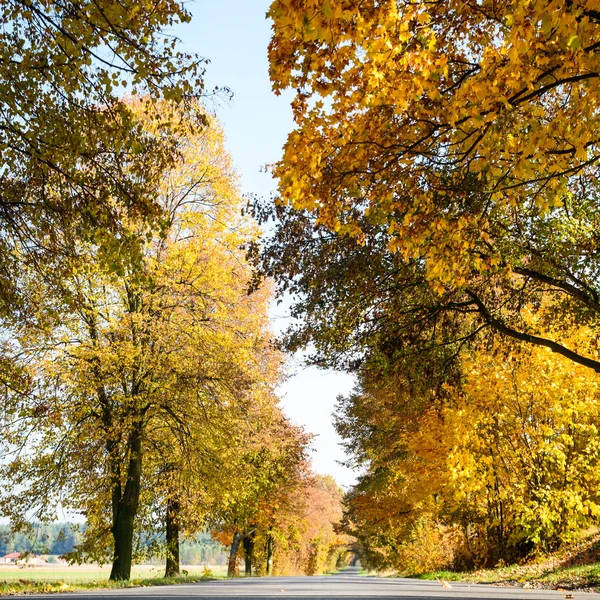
pixel 347 584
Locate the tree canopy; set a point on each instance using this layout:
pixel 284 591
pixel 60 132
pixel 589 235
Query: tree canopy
pixel 466 132
pixel 437 207
pixel 65 129
pixel 138 375
pixel 126 383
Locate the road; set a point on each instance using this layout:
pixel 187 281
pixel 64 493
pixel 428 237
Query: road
pixel 348 584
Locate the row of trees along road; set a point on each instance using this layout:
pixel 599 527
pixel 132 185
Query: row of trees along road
pixel 136 387
pixel 137 373
pixel 437 224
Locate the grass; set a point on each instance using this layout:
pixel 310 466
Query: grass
pixel 576 567
pixel 61 578
pixel 556 578
pixel 83 573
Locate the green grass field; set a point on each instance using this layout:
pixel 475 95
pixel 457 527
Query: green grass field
pixel 88 573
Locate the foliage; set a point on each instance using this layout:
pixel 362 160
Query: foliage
pixel 573 567
pixel 265 473
pixel 140 363
pixel 402 236
pixel 436 85
pixel 430 546
pixel 349 300
pixel 66 130
pixel 294 530
pixel 509 460
pixel 308 542
pixel 450 127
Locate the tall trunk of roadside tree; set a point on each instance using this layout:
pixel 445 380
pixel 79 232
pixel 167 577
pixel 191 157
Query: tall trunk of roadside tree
pixel 172 523
pixel 248 552
pixel 125 507
pixel 270 552
pixel 232 564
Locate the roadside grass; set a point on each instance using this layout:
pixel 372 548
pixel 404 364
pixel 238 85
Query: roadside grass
pixel 534 576
pixel 83 573
pixel 32 586
pixel 39 580
pixel 575 567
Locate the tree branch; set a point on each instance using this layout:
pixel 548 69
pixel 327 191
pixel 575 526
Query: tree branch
pixel 563 285
pixel 500 326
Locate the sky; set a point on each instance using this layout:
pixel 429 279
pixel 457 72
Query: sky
pixel 233 35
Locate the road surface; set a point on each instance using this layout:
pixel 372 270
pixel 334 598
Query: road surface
pixel 347 584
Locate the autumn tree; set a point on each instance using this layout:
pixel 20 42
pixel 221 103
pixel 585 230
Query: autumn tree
pixel 442 181
pixel 137 353
pixel 66 130
pixel 355 300
pixel 191 461
pixel 266 471
pixel 370 311
pixel 295 529
pixel 506 466
pixel 466 132
pixel 313 544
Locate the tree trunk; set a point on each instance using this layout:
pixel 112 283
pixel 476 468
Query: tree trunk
pixel 270 552
pixel 172 522
pixel 235 544
pixel 125 509
pixel 248 552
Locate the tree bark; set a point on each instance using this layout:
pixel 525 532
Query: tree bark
pixel 270 552
pixel 232 564
pixel 125 509
pixel 172 535
pixel 248 552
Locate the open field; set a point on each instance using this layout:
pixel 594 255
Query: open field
pixel 89 573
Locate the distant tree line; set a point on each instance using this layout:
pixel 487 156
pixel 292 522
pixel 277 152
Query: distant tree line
pixel 54 538
pixel 59 539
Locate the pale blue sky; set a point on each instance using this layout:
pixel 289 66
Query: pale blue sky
pixel 234 35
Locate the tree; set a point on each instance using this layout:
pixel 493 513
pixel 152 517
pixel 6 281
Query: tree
pixel 418 355
pixel 266 470
pixel 321 518
pixel 65 129
pixel 451 127
pixel 505 467
pixel 216 467
pixel 354 300
pixel 285 516
pixel 303 537
pixel 138 353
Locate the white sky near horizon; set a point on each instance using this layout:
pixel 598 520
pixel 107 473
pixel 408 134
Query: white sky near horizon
pixel 233 35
